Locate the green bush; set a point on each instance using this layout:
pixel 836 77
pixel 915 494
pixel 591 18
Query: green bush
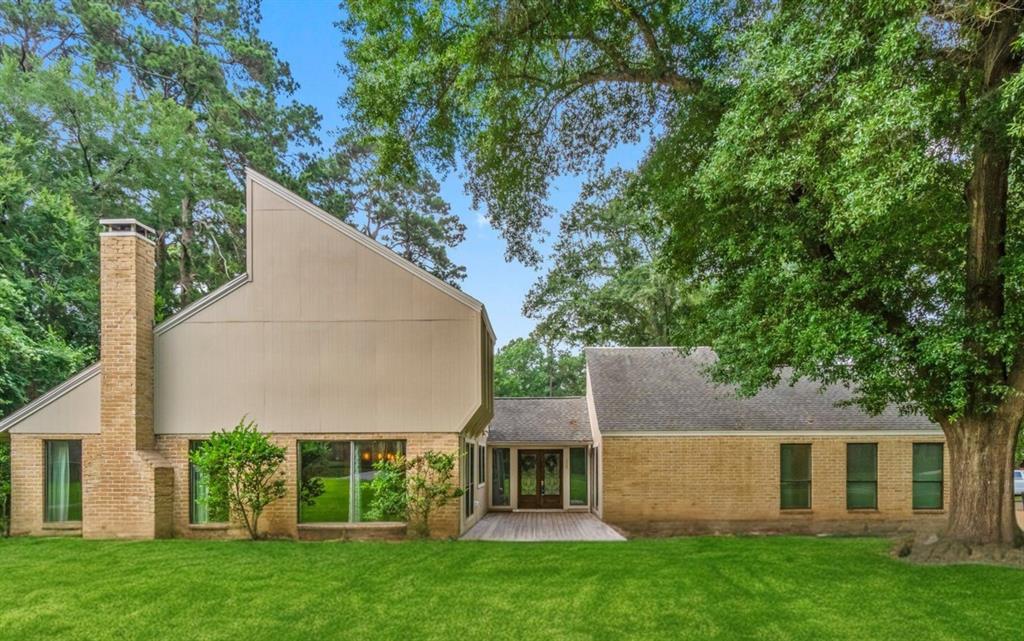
pixel 5 488
pixel 414 488
pixel 243 468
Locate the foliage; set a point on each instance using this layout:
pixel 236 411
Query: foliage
pixel 520 92
pixel 842 183
pixel 311 485
pixel 244 471
pixel 404 213
pixel 5 488
pixel 610 283
pixel 414 487
pixel 525 367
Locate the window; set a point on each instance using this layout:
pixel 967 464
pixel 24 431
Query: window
pixel 578 476
pixel 927 476
pixel 63 484
pixel 335 480
pixel 199 512
pixel 595 458
pixel 861 476
pixel 481 452
pixel 795 476
pixel 501 479
pixel 468 478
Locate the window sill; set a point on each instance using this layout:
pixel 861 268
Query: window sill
pixel 863 510
pixel 929 510
pixel 64 526
pixel 796 510
pixel 209 526
pixel 352 526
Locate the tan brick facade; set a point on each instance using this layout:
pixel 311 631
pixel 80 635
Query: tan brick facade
pixel 281 517
pixel 688 484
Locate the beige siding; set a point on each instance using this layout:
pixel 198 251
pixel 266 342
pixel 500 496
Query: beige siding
pixel 76 411
pixel 329 336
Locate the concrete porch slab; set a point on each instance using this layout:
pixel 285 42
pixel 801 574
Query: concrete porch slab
pixel 541 526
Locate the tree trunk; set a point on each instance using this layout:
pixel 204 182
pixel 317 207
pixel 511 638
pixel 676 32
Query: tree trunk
pixel 184 256
pixel 981 509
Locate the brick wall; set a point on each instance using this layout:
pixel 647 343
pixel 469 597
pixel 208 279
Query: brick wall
pixel 281 517
pixel 683 484
pixel 124 480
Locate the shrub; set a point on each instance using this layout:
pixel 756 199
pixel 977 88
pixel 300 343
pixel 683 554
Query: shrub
pixel 5 488
pixel 243 467
pixel 414 488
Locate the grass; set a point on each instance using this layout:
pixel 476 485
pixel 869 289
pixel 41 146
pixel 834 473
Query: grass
pixel 696 588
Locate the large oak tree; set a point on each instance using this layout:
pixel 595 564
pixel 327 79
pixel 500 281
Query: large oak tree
pixel 858 213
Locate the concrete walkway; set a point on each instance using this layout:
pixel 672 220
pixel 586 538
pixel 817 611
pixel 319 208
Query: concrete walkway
pixel 541 526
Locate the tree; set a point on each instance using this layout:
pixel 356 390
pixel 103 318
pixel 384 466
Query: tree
pixel 204 57
pixel 526 367
pixel 860 199
pixel 414 489
pixel 404 213
pixel 520 91
pixel 243 467
pixel 5 488
pixel 610 283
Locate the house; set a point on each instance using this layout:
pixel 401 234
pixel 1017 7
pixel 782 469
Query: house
pixel 347 354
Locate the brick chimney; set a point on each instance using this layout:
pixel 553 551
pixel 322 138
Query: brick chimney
pixel 128 484
pixel 127 260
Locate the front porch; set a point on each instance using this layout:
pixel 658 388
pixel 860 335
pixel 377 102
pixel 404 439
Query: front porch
pixel 541 526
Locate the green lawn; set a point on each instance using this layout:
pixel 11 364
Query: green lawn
pixel 697 588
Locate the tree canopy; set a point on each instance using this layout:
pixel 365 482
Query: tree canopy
pixel 841 181
pixel 527 367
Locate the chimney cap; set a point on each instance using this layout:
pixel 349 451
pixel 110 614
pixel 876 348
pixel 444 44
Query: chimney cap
pixel 126 226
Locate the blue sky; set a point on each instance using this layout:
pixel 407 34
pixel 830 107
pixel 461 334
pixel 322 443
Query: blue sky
pixel 305 37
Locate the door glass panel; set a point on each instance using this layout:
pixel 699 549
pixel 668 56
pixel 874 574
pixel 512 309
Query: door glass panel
pixel 527 473
pixel 552 474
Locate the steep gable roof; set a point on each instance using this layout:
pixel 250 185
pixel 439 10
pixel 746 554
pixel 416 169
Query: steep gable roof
pixel 658 389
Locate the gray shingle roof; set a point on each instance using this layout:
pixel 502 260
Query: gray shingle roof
pixel 560 419
pixel 658 389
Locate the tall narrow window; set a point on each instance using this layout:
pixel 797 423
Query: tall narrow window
pixel 501 479
pixel 481 472
pixel 595 477
pixel 795 476
pixel 200 512
pixel 927 476
pixel 467 476
pixel 861 476
pixel 578 476
pixel 63 489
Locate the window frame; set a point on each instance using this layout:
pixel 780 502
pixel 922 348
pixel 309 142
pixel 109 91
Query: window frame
pixel 468 479
pixel 941 482
pixel 46 484
pixel 481 466
pixel 586 477
pixel 353 470
pixel 191 489
pixel 808 481
pixel 874 483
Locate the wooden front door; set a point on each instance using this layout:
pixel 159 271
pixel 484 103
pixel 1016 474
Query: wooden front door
pixel 540 479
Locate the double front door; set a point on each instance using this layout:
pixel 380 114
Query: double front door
pixel 540 479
